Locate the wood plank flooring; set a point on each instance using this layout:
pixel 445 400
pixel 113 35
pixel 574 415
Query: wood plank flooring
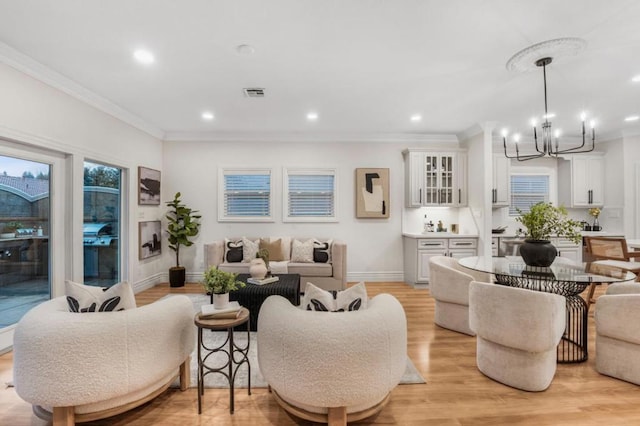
pixel 456 393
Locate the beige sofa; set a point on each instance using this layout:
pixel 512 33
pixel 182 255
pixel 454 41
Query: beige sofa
pixel 329 276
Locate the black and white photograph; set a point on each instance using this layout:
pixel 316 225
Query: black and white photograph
pixel 148 186
pixel 149 238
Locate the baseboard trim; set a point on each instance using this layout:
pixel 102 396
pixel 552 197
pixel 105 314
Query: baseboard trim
pixel 150 282
pixel 375 276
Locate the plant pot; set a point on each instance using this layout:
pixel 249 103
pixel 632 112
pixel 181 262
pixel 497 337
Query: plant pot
pixel 538 252
pixel 220 301
pixel 177 276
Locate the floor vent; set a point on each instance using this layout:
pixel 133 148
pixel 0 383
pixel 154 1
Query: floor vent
pixel 254 92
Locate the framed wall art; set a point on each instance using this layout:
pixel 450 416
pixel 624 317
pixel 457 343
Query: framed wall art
pixel 149 239
pixel 372 193
pixel 148 186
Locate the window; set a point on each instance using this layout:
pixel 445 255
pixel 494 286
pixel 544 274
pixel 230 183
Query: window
pixel 310 195
pixel 245 195
pixel 527 190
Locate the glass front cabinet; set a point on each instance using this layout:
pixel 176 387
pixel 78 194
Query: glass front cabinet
pixel 435 178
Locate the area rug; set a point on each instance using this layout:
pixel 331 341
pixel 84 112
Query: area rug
pixel 214 339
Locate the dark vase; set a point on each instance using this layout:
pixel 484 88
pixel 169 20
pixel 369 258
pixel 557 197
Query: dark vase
pixel 538 252
pixel 177 276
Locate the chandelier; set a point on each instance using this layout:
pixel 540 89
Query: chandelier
pixel 549 143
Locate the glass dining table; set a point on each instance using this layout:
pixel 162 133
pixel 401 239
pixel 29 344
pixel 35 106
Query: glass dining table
pixel 563 277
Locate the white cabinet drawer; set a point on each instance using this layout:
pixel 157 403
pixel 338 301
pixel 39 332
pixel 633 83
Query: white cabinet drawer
pixel 463 243
pixel 563 242
pixel 432 243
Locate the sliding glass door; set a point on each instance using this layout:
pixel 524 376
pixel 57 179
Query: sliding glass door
pixel 24 237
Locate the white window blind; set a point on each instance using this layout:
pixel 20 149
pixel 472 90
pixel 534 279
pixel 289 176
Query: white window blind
pixel 246 195
pixel 310 195
pixel 527 190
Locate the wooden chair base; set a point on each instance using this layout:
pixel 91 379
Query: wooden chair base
pixel 66 416
pixel 337 416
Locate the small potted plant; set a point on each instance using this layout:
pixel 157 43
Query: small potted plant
pixel 182 225
pixel 595 213
pixel 541 222
pixel 9 229
pixel 220 283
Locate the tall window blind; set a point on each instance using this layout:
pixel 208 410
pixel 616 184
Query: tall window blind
pixel 527 190
pixel 247 194
pixel 310 195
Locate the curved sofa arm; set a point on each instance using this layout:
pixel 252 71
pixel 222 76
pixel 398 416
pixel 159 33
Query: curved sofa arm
pixel 66 359
pixel 339 261
pixel 618 316
pixel 332 359
pixel 213 254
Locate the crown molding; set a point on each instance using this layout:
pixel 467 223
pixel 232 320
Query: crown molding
pixel 311 137
pixel 33 68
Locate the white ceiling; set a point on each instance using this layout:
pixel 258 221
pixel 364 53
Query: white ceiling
pixel 365 66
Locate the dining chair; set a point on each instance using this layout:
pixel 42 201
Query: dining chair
pixel 610 252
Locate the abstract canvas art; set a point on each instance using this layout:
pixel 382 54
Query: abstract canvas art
pixel 372 193
pixel 148 186
pixel 149 238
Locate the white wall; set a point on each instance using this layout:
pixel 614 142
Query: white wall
pixel 374 246
pixel 35 114
pixel 631 150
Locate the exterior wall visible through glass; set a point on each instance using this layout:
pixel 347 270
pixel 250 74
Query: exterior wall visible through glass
pixel 101 225
pixel 24 237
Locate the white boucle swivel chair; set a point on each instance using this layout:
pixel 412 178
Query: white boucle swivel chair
pixel 518 331
pixel 78 367
pixel 449 286
pixel 617 318
pixel 332 367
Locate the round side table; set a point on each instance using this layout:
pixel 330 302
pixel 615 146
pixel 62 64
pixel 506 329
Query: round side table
pixel 236 355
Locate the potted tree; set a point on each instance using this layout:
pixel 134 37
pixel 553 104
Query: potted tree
pixel 182 225
pixel 542 221
pixel 220 283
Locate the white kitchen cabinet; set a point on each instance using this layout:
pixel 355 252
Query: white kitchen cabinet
pixel 581 181
pixel 501 188
pixel 568 249
pixel 418 251
pixel 435 178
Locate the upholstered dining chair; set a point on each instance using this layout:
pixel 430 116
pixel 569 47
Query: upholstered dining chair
pixel 518 331
pixel 449 286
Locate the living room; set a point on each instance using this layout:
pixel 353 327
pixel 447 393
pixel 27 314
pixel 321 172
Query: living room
pixel 54 113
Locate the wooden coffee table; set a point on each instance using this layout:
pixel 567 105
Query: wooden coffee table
pixel 252 296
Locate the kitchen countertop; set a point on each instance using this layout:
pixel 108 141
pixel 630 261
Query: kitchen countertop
pixel 438 235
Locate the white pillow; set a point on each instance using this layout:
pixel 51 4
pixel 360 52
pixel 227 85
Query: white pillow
pixel 322 251
pixel 87 298
pixel 352 299
pixel 302 252
pixel 249 249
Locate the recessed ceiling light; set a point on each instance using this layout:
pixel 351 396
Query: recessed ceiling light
pixel 144 56
pixel 207 116
pixel 636 78
pixel 312 116
pixel 416 117
pixel 245 49
pixel 632 118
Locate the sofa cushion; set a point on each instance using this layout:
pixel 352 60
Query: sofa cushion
pixel 286 246
pixel 311 269
pixel 87 298
pixel 232 250
pixel 236 267
pixel 249 249
pixel 322 251
pixel 352 299
pixel 302 252
pixel 274 247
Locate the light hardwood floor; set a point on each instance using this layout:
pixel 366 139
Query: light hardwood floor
pixel 456 393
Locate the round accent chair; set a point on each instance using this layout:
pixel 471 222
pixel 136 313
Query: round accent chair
pixel 332 367
pixel 78 367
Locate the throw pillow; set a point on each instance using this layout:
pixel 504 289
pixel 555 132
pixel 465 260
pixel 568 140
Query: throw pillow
pixel 87 298
pixel 274 248
pixel 352 299
pixel 302 252
pixel 249 249
pixel 322 251
pixel 286 246
pixel 232 251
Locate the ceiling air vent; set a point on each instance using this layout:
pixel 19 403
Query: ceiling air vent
pixel 254 92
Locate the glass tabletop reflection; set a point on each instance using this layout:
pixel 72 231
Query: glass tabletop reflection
pixel 560 270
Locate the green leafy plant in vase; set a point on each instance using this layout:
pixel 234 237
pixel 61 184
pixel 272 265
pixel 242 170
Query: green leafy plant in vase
pixel 542 221
pixel 183 224
pixel 220 283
